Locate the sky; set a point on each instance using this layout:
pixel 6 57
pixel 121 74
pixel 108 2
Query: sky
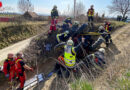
pixel 45 6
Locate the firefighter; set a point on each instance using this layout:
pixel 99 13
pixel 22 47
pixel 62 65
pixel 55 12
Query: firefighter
pixel 68 60
pixel 108 28
pixel 54 12
pixel 20 67
pixel 67 24
pixel 75 26
pixel 105 35
pixel 90 14
pixel 53 25
pixel 62 37
pixel 68 20
pixel 98 57
pixel 9 67
pixel 54 19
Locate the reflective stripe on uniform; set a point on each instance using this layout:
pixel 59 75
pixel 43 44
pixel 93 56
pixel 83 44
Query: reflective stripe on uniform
pixel 18 60
pixel 57 36
pixel 91 12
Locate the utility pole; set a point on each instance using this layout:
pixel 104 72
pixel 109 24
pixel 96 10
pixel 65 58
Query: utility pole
pixel 74 9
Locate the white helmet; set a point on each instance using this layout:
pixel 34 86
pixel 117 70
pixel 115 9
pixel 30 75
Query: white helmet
pixel 101 28
pixel 76 22
pixel 70 42
pixel 67 32
pixel 102 50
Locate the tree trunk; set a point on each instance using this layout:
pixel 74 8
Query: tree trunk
pixel 123 16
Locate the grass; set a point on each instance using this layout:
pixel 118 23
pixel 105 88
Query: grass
pixel 124 82
pixel 116 24
pixel 7 24
pixel 11 33
pixel 8 15
pixel 81 85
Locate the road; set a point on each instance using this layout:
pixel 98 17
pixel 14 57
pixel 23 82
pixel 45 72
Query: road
pixel 15 48
pixel 19 46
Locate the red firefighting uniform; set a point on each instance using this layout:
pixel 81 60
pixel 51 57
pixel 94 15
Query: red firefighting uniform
pixel 9 68
pixel 19 67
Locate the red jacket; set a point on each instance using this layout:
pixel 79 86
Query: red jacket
pixel 108 27
pixel 9 66
pixel 19 66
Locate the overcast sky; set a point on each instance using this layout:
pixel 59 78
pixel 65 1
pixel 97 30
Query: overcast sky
pixel 45 6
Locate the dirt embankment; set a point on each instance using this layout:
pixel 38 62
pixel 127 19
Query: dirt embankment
pixel 118 57
pixel 13 32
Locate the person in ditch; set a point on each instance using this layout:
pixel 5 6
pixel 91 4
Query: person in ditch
pixel 67 24
pixel 68 61
pixel 9 67
pixel 97 58
pixel 108 28
pixel 105 35
pixel 62 37
pixel 20 67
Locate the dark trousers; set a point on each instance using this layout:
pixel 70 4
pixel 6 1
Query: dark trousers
pixel 90 18
pixel 59 69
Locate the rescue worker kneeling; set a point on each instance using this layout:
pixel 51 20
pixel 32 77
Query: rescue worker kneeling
pixel 98 58
pixel 68 62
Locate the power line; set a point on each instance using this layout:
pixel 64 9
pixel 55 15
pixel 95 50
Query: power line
pixel 74 8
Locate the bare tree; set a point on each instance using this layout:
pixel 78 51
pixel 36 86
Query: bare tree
pixel 25 5
pixel 80 9
pixel 120 6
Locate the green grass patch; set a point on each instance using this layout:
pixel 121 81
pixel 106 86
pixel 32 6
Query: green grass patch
pixel 124 82
pixel 128 74
pixel 81 85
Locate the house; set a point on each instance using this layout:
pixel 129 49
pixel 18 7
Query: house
pixel 30 15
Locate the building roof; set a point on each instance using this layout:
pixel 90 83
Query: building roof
pixel 30 14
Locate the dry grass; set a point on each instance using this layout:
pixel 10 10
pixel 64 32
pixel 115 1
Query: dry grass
pixel 115 72
pixel 12 32
pixel 7 24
